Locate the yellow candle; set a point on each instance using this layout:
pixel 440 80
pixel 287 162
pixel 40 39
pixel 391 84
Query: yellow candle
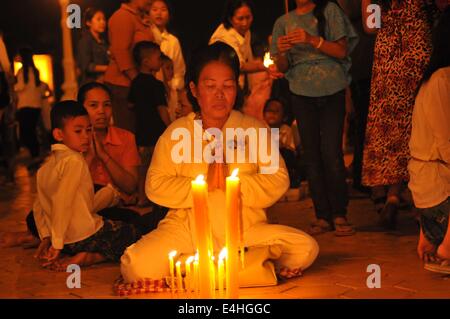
pixel 195 280
pixel 203 235
pixel 188 278
pixel 172 254
pixel 179 277
pixel 233 234
pixel 221 271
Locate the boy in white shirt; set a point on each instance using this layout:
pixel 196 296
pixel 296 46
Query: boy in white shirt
pixel 65 207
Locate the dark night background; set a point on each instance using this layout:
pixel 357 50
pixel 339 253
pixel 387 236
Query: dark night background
pixel 36 23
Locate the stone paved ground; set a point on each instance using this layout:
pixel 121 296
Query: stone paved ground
pixel 339 272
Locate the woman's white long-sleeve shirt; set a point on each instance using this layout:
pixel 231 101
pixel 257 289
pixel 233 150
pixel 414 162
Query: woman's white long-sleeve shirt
pixel 429 167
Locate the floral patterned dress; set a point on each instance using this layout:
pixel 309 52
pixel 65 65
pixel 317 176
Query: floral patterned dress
pixel 402 52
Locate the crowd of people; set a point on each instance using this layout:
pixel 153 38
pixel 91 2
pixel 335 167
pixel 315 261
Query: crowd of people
pixel 112 147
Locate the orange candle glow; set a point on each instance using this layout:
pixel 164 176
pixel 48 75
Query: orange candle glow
pixel 195 277
pixel 233 190
pixel 179 277
pixel 203 236
pixel 221 272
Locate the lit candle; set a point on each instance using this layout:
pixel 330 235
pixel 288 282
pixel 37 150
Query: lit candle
pixel 267 60
pixel 172 254
pixel 195 279
pixel 179 277
pixel 188 279
pixel 221 271
pixel 233 190
pixel 203 235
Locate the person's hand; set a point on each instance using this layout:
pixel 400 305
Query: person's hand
pixel 273 72
pixel 50 257
pixel 283 44
pixel 217 173
pixel 298 36
pixel 42 250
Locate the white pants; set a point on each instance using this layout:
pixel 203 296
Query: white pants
pixel 148 258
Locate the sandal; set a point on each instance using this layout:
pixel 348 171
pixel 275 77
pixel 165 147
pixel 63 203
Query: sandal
pixel 343 228
pixel 319 226
pixel 440 267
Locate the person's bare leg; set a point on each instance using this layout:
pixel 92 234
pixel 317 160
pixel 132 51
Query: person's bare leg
pixel 83 259
pixel 394 192
pixel 14 239
pixel 287 273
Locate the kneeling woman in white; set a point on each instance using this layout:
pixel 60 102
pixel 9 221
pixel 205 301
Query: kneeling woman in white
pixel 213 81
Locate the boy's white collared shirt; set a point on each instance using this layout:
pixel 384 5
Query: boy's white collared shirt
pixel 64 206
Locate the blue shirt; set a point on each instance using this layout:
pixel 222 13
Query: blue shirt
pixel 311 72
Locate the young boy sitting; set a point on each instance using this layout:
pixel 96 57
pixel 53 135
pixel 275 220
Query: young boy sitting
pixel 148 97
pixel 65 207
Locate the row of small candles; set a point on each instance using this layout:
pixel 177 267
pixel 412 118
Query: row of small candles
pixel 202 279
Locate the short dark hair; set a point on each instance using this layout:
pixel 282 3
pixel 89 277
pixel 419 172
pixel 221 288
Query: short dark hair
pixel 142 49
pixel 219 52
pixel 84 89
pixel 66 110
pixel 230 8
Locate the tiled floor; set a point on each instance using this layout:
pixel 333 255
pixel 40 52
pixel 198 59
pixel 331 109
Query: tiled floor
pixel 339 272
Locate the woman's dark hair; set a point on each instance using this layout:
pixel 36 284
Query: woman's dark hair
pixel 26 55
pixel 216 52
pixel 89 14
pixel 440 56
pixel 230 8
pixel 83 91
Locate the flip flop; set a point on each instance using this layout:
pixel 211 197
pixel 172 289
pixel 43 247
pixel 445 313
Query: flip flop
pixel 442 268
pixel 344 229
pixel 319 227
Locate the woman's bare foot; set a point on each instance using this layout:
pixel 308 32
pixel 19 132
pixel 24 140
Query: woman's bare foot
pixel 14 239
pixel 83 259
pixel 287 273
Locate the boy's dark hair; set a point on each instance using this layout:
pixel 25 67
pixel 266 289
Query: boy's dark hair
pixel 279 100
pixel 66 110
pixel 142 49
pixel 165 58
pixel 83 91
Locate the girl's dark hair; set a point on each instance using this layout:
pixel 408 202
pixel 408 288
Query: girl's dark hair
pixel 89 14
pixel 83 91
pixel 230 8
pixel 26 55
pixel 169 8
pixel 217 52
pixel 440 56
pixel 319 13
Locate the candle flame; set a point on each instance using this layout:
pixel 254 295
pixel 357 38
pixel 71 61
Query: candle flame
pixel 196 256
pixel 235 172
pixel 200 178
pixel 223 254
pixel 178 264
pixel 267 60
pixel 172 254
pixel 190 260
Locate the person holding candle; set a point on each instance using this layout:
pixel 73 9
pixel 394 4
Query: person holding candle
pixel 213 81
pixel 311 44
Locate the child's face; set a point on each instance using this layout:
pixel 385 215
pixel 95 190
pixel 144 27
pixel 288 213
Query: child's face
pixel 76 133
pixel 153 60
pixel 98 22
pixel 98 105
pixel 159 14
pixel 167 69
pixel 273 114
pixel 184 105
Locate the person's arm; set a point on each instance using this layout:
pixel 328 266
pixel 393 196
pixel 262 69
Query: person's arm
pixel 105 197
pixel 179 66
pixel 261 190
pixel 41 224
pixel 122 34
pixel 280 46
pixel 70 172
pixel 365 16
pixel 125 178
pixel 163 185
pixel 253 66
pixel 164 114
